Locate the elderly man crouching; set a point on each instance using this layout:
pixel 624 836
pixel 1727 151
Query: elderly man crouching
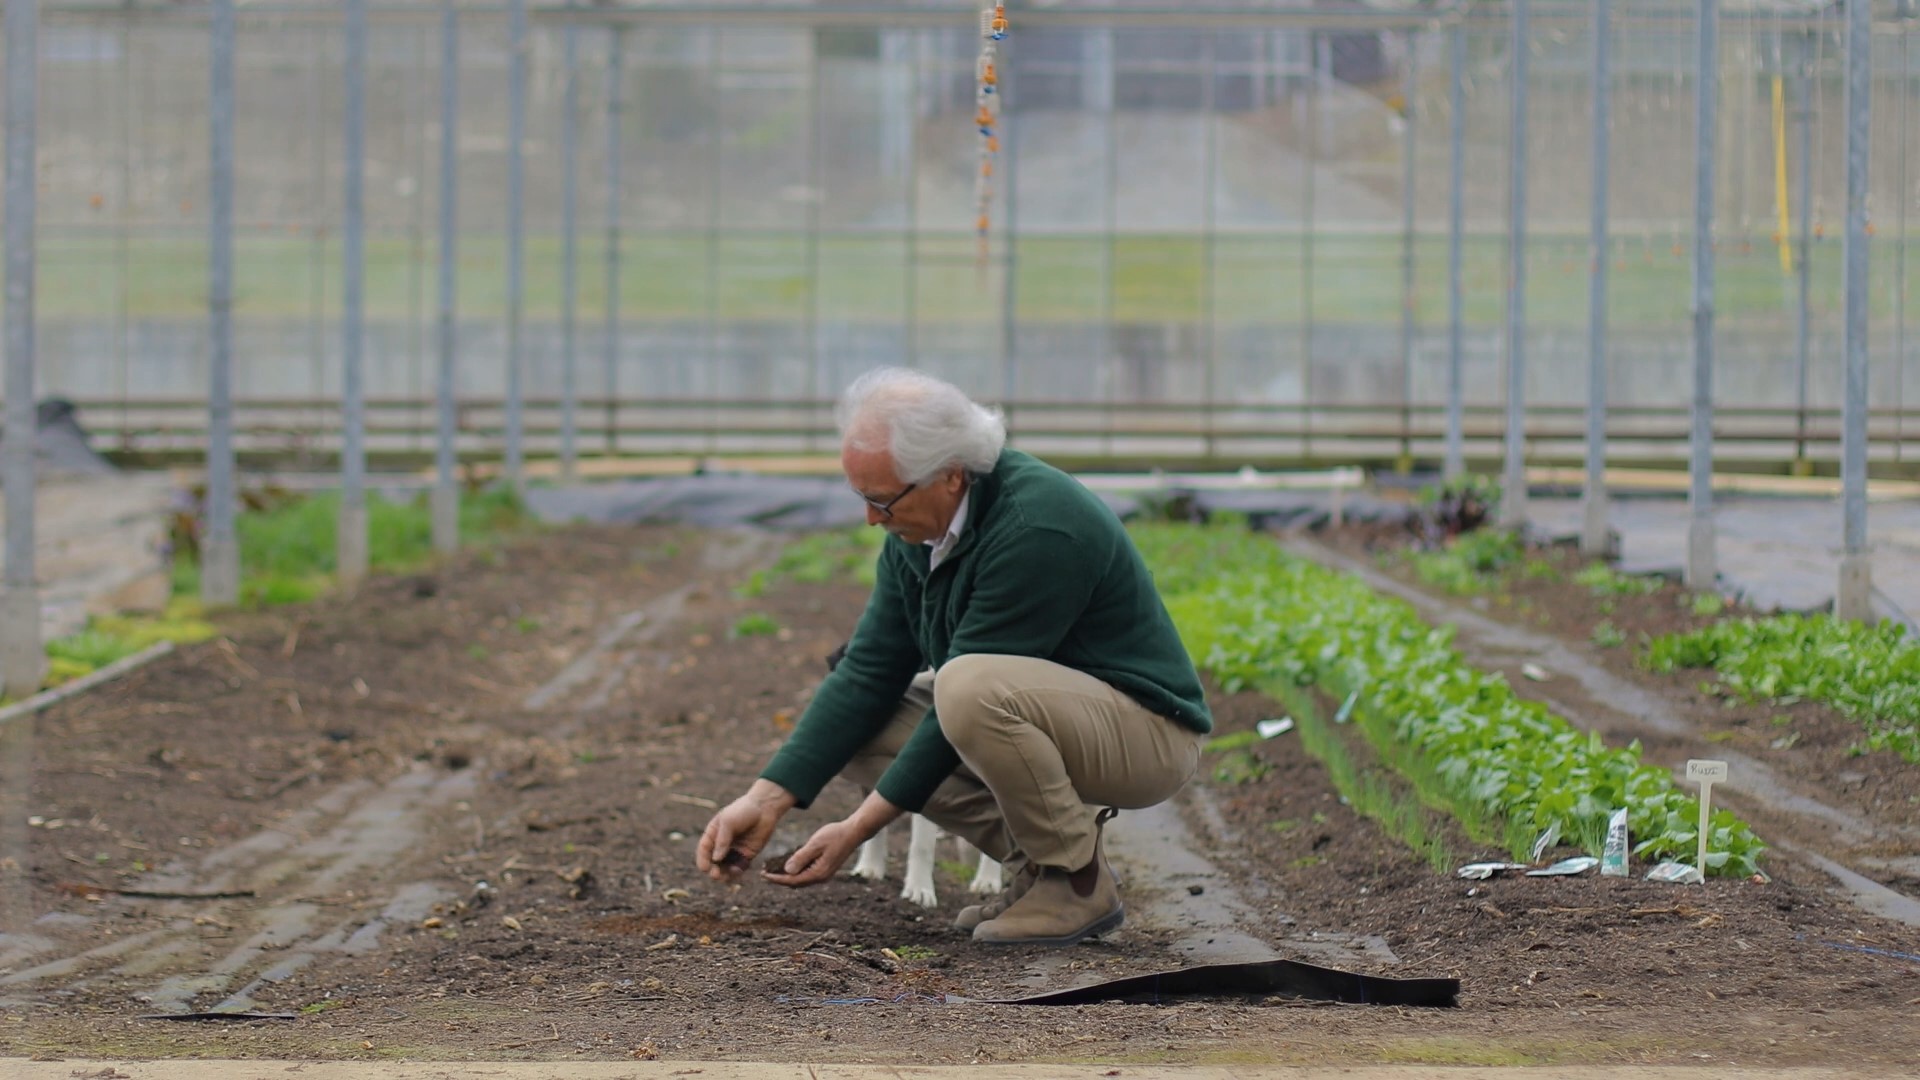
pixel 1015 677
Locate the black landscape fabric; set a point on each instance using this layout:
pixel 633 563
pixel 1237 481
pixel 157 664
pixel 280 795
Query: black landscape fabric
pixel 1286 978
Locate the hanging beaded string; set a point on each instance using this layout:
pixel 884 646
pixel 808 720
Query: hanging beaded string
pixel 993 29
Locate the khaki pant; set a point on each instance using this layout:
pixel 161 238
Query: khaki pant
pixel 1041 746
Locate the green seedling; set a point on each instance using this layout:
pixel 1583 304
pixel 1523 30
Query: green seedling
pixel 754 624
pixel 914 952
pixel 1608 636
pixel 1602 580
pixel 753 587
pixel 1239 740
pixel 1240 767
pixel 1869 673
pixel 1708 605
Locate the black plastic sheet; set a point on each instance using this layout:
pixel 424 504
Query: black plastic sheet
pixel 1268 978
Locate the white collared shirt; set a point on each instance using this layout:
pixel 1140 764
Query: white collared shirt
pixel 944 546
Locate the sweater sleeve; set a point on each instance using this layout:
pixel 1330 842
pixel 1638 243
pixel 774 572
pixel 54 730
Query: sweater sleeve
pixel 858 697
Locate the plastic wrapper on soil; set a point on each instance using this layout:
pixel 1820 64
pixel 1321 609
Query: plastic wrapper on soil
pixel 1579 864
pixel 1678 873
pixel 1269 728
pixel 1481 871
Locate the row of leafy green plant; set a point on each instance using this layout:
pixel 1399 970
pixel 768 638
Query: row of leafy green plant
pixel 1505 767
pixel 287 556
pixel 288 547
pixel 821 557
pixel 1869 673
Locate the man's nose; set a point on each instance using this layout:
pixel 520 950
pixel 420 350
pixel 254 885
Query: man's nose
pixel 874 516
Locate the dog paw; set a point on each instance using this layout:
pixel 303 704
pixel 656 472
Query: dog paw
pixel 984 882
pixel 868 872
pixel 920 894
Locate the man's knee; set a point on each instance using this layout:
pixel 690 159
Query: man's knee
pixel 966 691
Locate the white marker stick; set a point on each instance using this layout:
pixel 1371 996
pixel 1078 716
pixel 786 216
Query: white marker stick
pixel 1706 774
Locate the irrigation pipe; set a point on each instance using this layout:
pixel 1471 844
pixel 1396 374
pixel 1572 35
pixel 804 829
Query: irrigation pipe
pixel 86 682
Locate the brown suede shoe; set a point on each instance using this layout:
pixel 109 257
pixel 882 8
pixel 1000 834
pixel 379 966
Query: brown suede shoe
pixel 974 914
pixel 1060 909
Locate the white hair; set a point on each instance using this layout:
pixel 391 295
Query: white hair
pixel 927 424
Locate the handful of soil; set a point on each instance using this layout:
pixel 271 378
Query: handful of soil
pixel 777 864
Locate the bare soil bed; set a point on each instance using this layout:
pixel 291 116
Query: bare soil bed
pixel 451 816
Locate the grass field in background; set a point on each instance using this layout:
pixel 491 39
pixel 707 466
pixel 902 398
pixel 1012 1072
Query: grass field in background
pixel 1058 279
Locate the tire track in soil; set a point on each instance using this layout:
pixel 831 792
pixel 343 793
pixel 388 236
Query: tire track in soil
pixel 324 854
pixel 1825 837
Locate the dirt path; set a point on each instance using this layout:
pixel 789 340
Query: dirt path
pixel 450 819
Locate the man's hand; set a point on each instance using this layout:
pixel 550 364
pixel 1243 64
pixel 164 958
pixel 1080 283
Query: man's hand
pixel 821 857
pixel 827 850
pixel 740 830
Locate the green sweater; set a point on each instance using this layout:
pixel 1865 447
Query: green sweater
pixel 1042 568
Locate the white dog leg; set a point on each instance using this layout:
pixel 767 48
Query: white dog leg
pixel 872 864
pixel 920 852
pixel 986 877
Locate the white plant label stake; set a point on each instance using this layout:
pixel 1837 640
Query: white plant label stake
pixel 1706 774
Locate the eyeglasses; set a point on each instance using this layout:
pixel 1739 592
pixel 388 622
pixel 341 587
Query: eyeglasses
pixel 886 508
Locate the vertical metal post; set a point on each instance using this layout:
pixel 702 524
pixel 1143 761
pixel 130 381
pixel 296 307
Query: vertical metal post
pixel 446 487
pixel 1101 41
pixel 1010 233
pixel 569 270
pixel 23 661
pixel 416 92
pixel 716 199
pixel 1409 149
pixel 1321 63
pixel 352 551
pixel 1210 351
pixel 1455 467
pixel 1593 532
pixel 219 555
pixel 1700 569
pixel 612 344
pixel 1803 307
pixel 1906 191
pixel 1513 498
pixel 123 232
pixel 816 198
pixel 1854 597
pixel 516 234
pixel 317 225
pixel 911 302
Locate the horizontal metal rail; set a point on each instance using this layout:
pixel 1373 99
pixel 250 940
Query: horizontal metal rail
pixel 292 425
pixel 1172 14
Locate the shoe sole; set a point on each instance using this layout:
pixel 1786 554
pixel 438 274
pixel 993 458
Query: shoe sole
pixel 1106 924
